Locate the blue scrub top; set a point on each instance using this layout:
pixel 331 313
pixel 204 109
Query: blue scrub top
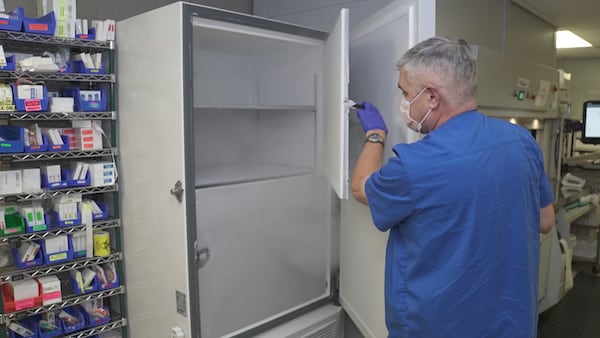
pixel 463 209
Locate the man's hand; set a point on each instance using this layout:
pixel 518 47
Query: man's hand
pixel 370 118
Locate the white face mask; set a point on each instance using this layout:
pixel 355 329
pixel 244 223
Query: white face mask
pixel 405 109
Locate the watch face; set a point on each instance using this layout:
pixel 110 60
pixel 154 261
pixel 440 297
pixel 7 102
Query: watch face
pixel 376 138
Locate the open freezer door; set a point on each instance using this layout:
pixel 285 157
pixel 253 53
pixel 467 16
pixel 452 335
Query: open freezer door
pixel 376 44
pixel 335 129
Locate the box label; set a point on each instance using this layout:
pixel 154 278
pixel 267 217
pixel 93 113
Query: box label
pixel 56 295
pixel 33 105
pixel 58 256
pixel 38 26
pixel 39 227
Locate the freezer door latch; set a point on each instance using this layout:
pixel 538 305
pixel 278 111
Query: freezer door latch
pixel 177 191
pixel 202 255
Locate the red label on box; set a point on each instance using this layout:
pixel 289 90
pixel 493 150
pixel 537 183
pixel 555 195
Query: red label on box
pixel 52 295
pixel 24 304
pixel 33 105
pixel 3 22
pixel 38 26
pixel 88 139
pixel 86 131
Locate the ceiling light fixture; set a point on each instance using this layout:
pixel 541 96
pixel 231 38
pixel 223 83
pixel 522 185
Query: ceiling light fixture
pixel 567 39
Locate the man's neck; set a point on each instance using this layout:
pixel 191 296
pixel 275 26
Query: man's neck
pixel 451 112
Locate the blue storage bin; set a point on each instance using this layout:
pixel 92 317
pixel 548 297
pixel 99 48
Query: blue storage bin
pixel 109 285
pixel 39 259
pixel 13 139
pixel 38 148
pixel 76 183
pixel 68 69
pixel 43 25
pixel 55 185
pixel 61 224
pixel 30 105
pixel 91 288
pixel 58 257
pixel 91 35
pixel 14 22
pixel 29 325
pixel 103 214
pixel 83 105
pixel 34 228
pixel 81 68
pixel 79 254
pixel 68 326
pixel 47 334
pixel 95 321
pixel 10 63
pixel 60 147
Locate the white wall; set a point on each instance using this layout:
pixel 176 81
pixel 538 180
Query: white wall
pixel 497 24
pixel 585 83
pixel 500 25
pixel 529 37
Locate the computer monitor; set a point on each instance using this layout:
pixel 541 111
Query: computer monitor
pixel 591 122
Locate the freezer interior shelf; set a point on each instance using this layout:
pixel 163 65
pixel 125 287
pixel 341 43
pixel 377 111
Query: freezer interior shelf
pixel 218 175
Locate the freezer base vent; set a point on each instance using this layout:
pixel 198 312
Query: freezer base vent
pixel 328 330
pixel 323 322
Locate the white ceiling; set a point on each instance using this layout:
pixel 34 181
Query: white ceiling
pixel 581 17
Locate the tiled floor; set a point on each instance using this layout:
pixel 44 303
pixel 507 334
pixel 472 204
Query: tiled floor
pixel 577 315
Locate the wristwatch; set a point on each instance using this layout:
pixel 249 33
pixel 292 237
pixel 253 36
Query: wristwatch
pixel 375 138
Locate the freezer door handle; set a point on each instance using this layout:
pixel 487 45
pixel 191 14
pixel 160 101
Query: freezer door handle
pixel 177 191
pixel 202 255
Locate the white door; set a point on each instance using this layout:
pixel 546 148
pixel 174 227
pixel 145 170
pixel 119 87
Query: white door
pixel 154 238
pixel 335 86
pixel 375 46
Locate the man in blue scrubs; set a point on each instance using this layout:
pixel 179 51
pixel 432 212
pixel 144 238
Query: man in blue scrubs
pixel 464 205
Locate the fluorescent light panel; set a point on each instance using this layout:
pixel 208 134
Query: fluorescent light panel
pixel 567 39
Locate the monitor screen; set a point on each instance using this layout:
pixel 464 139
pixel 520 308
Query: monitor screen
pixel 591 122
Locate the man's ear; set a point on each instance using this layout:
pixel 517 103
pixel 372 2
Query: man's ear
pixel 434 96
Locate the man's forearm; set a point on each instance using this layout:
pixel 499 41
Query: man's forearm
pixel 369 161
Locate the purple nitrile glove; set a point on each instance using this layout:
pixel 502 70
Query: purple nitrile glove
pixel 370 117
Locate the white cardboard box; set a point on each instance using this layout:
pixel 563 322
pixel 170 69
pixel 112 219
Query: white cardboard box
pixel 51 291
pixel 102 173
pixel 31 181
pixel 11 182
pixel 23 289
pixel 65 29
pixel 52 173
pixel 63 9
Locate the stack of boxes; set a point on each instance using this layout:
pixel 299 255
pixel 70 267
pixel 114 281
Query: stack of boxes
pixel 67 24
pixel 85 135
pixel 64 13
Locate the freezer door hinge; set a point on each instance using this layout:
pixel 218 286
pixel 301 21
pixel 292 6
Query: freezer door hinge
pixel 335 288
pixel 201 255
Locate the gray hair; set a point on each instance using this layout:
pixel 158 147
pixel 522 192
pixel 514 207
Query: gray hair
pixel 448 62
